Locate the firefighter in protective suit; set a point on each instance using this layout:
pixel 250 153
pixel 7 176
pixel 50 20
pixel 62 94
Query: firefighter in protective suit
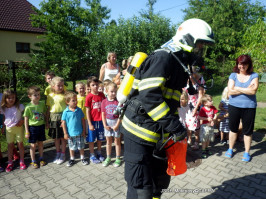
pixel 151 114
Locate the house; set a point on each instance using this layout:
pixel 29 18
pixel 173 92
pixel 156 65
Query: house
pixel 17 36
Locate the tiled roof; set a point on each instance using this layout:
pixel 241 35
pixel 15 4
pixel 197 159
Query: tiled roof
pixel 15 16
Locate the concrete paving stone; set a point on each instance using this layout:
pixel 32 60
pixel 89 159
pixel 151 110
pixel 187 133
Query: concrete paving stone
pixel 42 193
pixel 233 191
pixel 95 171
pixel 245 172
pixel 63 182
pixel 72 189
pixel 43 178
pixel 257 187
pixel 81 195
pixel 242 180
pixel 120 196
pixel 222 168
pixel 56 177
pixel 9 196
pixel 212 170
pixel 112 192
pixel 78 181
pixel 181 183
pixel 220 163
pixel 6 190
pixel 221 194
pixel 214 183
pixel 27 194
pixel 29 180
pixel 226 175
pixel 57 191
pixel 248 189
pixel 8 176
pixel 50 197
pixel 260 194
pixel 2 182
pixel 199 171
pixel 20 188
pixel 246 195
pixel 35 186
pixel 14 182
pixel 70 175
pixel 256 170
pixel 66 195
pixel 50 184
pixel 255 179
pixel 97 194
pixel 232 183
pixel 195 181
pixel 192 173
pixel 204 179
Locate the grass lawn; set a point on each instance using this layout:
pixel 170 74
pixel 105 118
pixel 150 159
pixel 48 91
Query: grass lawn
pixel 260 122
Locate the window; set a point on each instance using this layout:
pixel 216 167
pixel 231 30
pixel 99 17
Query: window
pixel 22 47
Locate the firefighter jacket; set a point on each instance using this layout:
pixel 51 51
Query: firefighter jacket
pixel 152 108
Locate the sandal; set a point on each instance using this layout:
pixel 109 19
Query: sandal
pixel 246 157
pixel 229 153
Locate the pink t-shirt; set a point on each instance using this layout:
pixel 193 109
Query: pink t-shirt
pixel 13 115
pixel 207 113
pixel 108 108
pixel 94 103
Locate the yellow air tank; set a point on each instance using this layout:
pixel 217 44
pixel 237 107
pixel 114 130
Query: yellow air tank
pixel 128 80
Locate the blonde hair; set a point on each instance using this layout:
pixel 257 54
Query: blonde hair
pixel 225 93
pixel 56 80
pixel 80 83
pixel 129 60
pixel 205 98
pixel 109 55
pixel 184 93
pixel 124 63
pixel 110 85
pixel 69 95
pixel 106 82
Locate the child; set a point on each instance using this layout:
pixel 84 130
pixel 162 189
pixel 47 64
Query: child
pixel 34 116
pixel 183 111
pixel 55 107
pixel 105 83
pixel 111 123
pixel 101 87
pixel 74 128
pixel 224 124
pixel 49 75
pixel 88 91
pixel 208 113
pixel 94 117
pixel 81 97
pixel 12 110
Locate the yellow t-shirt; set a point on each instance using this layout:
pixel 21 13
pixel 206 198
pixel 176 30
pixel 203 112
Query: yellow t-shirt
pixel 48 90
pixel 56 102
pixel 81 104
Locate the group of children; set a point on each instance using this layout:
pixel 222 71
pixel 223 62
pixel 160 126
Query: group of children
pixel 207 116
pixel 69 117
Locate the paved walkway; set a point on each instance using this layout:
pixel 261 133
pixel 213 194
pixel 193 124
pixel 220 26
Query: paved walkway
pixel 214 177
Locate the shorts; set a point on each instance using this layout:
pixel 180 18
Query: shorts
pixel 206 133
pixel 248 119
pixel 15 132
pixel 111 133
pixel 97 133
pixel 37 133
pixel 55 130
pixel 76 142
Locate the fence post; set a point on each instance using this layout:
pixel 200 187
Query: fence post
pixel 12 65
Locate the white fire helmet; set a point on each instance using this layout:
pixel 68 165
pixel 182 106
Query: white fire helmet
pixel 191 31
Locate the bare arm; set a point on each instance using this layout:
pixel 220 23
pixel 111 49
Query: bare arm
pixel 231 88
pixel 66 136
pixel 102 70
pixel 47 116
pixel 201 93
pixel 26 124
pixel 83 127
pixel 251 89
pixel 88 114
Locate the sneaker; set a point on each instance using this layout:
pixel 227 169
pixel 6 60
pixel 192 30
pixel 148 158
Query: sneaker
pixel 61 159
pixel 42 163
pixel 106 162
pixel 208 152
pixel 9 168
pixel 84 162
pixel 204 154
pixel 223 142
pixel 56 158
pixel 22 166
pixel 70 163
pixel 94 160
pixel 100 157
pixel 34 165
pixel 117 162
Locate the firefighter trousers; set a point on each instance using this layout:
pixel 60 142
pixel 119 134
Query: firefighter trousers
pixel 145 175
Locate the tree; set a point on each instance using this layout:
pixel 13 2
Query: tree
pixel 149 14
pixel 67 40
pixel 229 21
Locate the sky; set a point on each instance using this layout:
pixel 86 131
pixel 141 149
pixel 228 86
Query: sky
pixel 171 9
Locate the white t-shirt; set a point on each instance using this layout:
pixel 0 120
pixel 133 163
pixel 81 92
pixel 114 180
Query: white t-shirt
pixel 12 115
pixel 110 73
